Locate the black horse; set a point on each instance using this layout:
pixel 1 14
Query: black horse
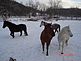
pixel 56 27
pixel 15 28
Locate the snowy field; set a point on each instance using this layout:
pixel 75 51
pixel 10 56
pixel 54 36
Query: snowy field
pixel 28 48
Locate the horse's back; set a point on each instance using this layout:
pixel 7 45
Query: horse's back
pixel 63 35
pixel 22 26
pixel 55 25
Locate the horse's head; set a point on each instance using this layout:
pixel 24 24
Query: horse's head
pixel 11 59
pixel 69 31
pixel 44 23
pixel 4 24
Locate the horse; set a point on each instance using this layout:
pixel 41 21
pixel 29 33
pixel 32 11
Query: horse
pixel 54 26
pixel 11 59
pixel 15 28
pixel 63 37
pixel 46 36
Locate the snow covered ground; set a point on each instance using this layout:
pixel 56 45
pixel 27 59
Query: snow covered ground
pixel 28 48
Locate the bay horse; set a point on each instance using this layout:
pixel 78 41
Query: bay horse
pixel 46 36
pixel 56 27
pixel 64 36
pixel 15 28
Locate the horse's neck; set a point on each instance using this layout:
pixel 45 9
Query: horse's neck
pixel 64 32
pixel 10 25
pixel 48 29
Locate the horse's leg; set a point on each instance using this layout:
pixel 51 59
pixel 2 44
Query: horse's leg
pixel 59 28
pixel 20 33
pixel 62 47
pixel 25 32
pixel 59 45
pixel 66 42
pixel 43 46
pixel 12 34
pixel 47 47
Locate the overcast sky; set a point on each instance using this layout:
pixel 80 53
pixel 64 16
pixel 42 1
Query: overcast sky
pixel 65 3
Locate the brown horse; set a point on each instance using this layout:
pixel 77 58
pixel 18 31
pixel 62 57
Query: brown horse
pixel 46 36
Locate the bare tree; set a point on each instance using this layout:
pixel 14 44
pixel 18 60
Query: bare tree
pixel 33 3
pixel 36 4
pixel 55 3
pixel 42 7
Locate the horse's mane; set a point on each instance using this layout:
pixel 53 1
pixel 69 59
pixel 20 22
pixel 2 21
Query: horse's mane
pixel 66 27
pixel 10 23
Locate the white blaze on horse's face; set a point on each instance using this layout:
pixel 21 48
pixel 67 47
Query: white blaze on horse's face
pixel 69 31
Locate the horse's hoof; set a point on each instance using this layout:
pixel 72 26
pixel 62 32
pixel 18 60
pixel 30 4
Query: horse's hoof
pixel 58 48
pixel 43 52
pixel 20 35
pixel 62 53
pixel 12 36
pixel 26 35
pixel 46 54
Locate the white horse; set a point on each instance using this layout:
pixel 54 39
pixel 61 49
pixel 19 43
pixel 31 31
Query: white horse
pixel 64 36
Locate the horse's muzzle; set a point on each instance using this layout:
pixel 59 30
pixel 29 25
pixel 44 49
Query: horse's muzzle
pixel 40 25
pixel 71 35
pixel 3 27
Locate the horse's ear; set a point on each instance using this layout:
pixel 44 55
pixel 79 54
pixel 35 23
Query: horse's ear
pixel 68 26
pixel 14 59
pixel 51 23
pixel 10 59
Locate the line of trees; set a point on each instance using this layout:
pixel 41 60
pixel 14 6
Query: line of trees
pixel 41 6
pixel 34 6
pixel 53 4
